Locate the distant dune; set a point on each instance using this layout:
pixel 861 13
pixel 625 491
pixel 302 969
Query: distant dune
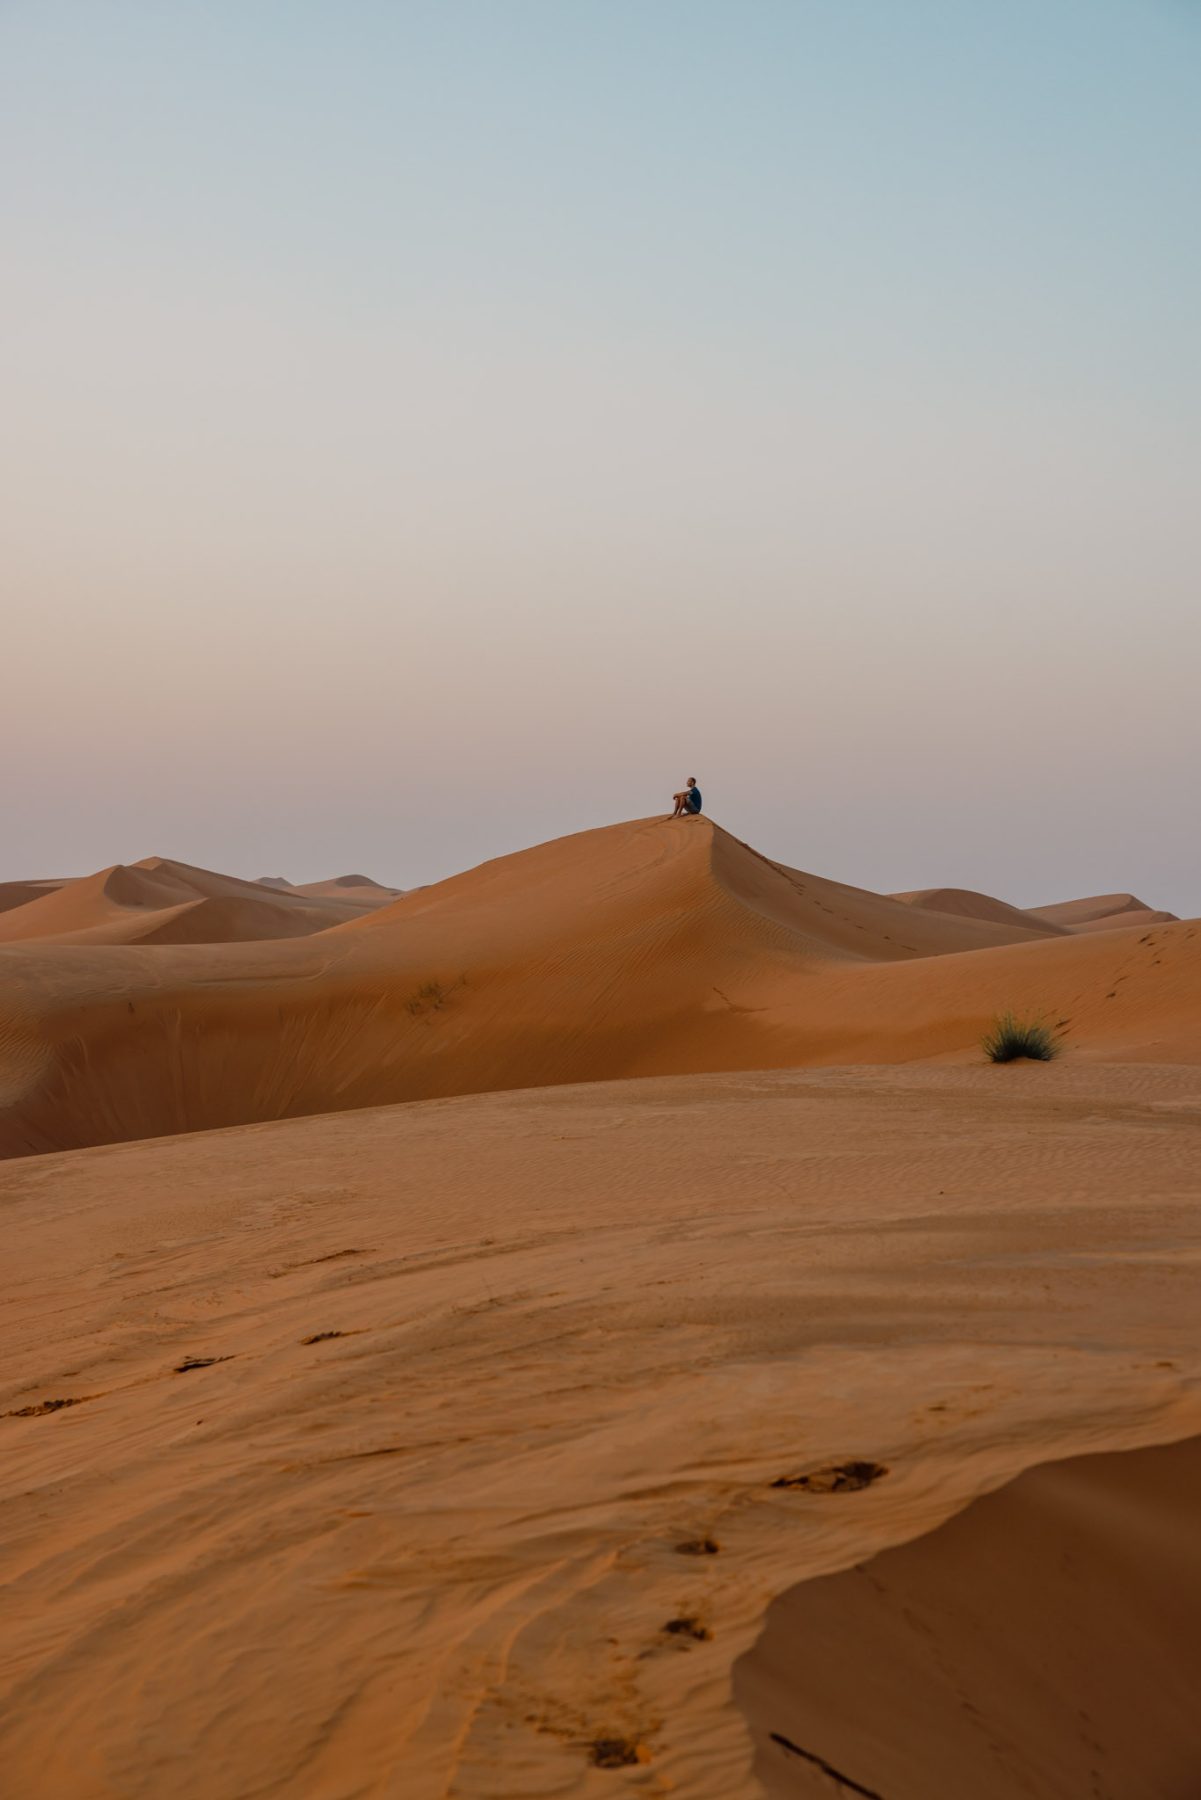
pixel 649 948
pixel 1102 912
pixel 963 903
pixel 357 888
pixel 159 901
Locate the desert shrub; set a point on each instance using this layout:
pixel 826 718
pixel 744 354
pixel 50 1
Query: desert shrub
pixel 430 997
pixel 1011 1038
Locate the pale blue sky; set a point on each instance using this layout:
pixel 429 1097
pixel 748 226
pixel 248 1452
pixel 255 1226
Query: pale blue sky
pixel 429 428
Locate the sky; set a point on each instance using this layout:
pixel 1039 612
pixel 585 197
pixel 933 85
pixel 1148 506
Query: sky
pixel 434 426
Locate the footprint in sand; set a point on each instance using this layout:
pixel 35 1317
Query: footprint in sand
pixel 41 1407
pixel 838 1478
pixel 617 1753
pixel 686 1626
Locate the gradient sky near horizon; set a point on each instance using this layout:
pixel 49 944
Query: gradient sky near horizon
pixel 432 426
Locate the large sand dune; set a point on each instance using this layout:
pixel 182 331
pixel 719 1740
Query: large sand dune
pixel 648 948
pixel 451 1449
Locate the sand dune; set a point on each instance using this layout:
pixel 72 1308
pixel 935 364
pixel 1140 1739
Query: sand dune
pixel 358 891
pixel 20 893
pixel 159 901
pixel 358 1454
pixel 357 888
pixel 965 903
pixel 1102 912
pixel 641 949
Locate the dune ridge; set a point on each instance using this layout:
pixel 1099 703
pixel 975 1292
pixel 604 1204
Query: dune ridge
pixel 161 901
pixel 359 889
pixel 966 903
pixel 1102 912
pixel 639 949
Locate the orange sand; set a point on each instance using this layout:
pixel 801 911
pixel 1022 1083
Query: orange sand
pixel 20 893
pixel 386 1428
pixel 1103 912
pixel 1042 1643
pixel 649 948
pixel 965 903
pixel 161 902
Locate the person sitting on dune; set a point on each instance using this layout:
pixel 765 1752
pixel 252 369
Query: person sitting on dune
pixel 689 801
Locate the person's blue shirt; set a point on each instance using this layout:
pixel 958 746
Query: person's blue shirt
pixel 694 799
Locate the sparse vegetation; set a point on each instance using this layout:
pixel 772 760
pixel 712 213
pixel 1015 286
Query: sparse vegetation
pixel 430 997
pixel 1011 1038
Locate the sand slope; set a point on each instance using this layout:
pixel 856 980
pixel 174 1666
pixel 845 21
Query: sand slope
pixel 1042 1643
pixel 642 949
pixel 437 1552
pixel 1101 912
pixel 20 893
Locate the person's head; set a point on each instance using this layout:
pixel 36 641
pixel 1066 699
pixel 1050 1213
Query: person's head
pixel 692 781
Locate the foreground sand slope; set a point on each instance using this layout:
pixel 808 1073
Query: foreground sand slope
pixel 641 949
pixel 385 1429
pixel 1042 1643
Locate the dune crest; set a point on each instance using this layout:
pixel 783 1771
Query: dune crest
pixel 965 903
pixel 161 901
pixel 647 948
pixel 20 893
pixel 1102 912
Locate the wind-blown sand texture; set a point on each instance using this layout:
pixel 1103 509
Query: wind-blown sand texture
pixel 455 1449
pixel 649 948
